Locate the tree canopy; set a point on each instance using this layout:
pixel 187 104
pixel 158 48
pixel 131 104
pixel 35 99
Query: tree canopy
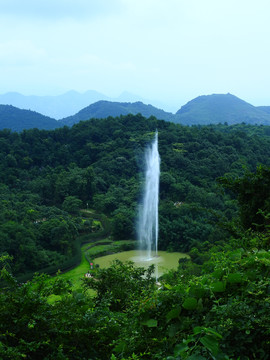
pixel 214 306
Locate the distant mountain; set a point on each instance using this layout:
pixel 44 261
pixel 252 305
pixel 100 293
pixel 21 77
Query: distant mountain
pixel 56 107
pixel 203 110
pixel 18 119
pixel 126 96
pixel 103 109
pixel 220 108
pixel 264 108
pixel 60 106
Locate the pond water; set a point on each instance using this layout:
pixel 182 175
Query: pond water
pixel 163 262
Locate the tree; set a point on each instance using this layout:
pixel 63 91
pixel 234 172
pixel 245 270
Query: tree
pixel 121 283
pixel 253 195
pixel 123 224
pixel 72 205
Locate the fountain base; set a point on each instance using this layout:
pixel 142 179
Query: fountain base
pixel 163 261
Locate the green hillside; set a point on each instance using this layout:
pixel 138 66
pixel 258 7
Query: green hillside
pixel 17 119
pixel 73 185
pixel 99 163
pixel 220 108
pixel 203 110
pixel 103 109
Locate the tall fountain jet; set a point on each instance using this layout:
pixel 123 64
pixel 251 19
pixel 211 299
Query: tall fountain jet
pixel 148 214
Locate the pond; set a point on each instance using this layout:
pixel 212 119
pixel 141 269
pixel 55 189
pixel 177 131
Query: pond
pixel 163 262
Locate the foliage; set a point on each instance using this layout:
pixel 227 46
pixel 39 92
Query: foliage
pixel 253 196
pixel 72 205
pixel 215 306
pixel 121 283
pixel 220 313
pixel 220 109
pixel 47 176
pixel 17 119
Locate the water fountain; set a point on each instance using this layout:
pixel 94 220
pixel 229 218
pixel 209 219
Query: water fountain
pixel 148 213
pixel 148 223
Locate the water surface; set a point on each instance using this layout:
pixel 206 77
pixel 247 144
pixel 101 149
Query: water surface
pixel 163 262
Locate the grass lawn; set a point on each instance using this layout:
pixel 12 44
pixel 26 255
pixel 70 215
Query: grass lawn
pixel 77 274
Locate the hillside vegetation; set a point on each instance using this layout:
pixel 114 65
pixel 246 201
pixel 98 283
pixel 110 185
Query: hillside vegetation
pixel 220 109
pixel 214 205
pixel 17 119
pixel 103 109
pixel 203 110
pixel 46 176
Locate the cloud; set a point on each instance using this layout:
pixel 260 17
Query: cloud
pixel 58 9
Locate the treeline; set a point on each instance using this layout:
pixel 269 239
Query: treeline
pixel 47 176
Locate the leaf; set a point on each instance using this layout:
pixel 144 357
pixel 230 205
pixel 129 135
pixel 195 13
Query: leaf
pixel 190 303
pixel 172 330
pixel 119 347
pixel 212 331
pixel 210 343
pixel 173 314
pixel 180 348
pixel 197 330
pixel 236 255
pixel 218 286
pixel 197 291
pixel 167 286
pixel 150 323
pixel 196 357
pixel 206 331
pixel 200 305
pixel 218 274
pixel 235 278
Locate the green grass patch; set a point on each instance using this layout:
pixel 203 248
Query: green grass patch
pixel 77 274
pixel 95 250
pixel 124 242
pixel 92 250
pixel 102 241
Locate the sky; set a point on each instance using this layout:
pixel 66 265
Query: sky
pixel 169 51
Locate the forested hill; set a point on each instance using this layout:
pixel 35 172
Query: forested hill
pixel 214 205
pixel 17 119
pixel 203 110
pixel 103 109
pixel 100 162
pixel 221 108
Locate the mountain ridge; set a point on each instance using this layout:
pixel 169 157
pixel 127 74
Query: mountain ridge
pixel 220 108
pixel 54 106
pixel 63 105
pixel 17 119
pixel 202 110
pixel 103 109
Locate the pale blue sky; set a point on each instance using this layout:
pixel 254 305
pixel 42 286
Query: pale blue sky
pixel 168 50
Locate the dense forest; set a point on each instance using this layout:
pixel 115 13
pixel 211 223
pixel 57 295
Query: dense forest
pixel 214 205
